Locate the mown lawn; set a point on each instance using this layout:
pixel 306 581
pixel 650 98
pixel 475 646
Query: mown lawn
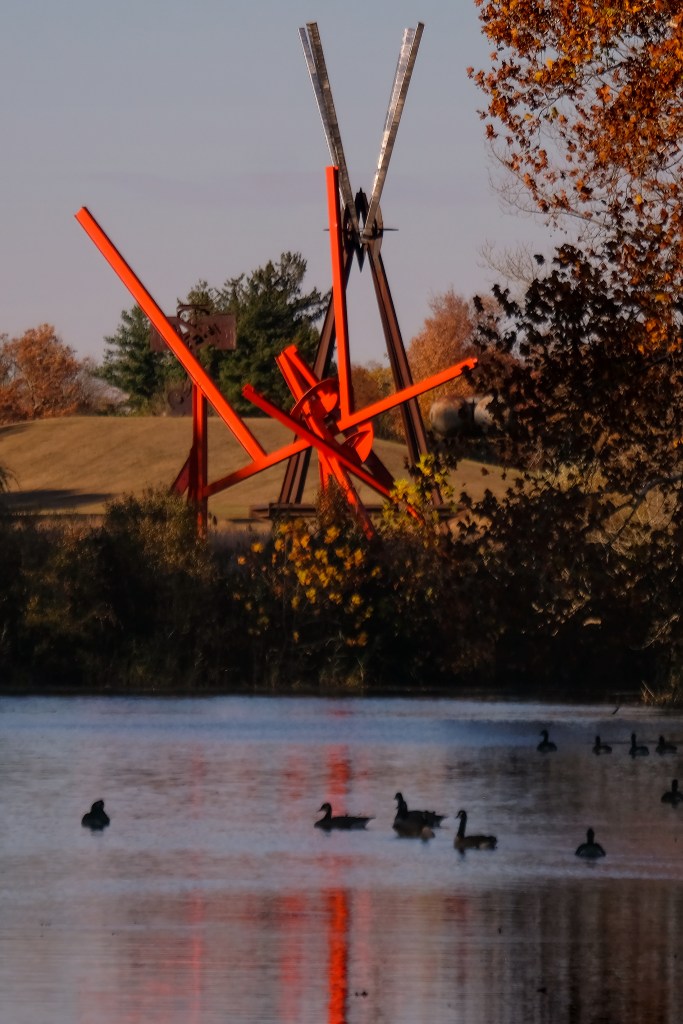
pixel 76 465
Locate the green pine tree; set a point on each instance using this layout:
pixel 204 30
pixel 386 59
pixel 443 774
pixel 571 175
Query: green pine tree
pixel 131 365
pixel 272 312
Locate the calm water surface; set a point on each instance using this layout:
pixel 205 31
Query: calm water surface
pixel 211 897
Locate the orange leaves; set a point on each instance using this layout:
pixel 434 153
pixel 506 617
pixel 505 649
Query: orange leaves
pixel 39 376
pixel 592 92
pixel 445 338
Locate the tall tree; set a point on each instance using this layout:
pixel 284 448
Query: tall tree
pixel 590 538
pixel 131 365
pixel 272 311
pixel 372 381
pixel 445 338
pixel 584 108
pixel 40 376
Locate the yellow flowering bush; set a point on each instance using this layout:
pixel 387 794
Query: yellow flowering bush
pixel 309 592
pixel 322 601
pixel 412 510
pixel 325 576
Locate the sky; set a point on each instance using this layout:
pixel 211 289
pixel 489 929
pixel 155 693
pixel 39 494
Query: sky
pixel 189 129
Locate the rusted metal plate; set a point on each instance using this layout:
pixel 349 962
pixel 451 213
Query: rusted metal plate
pixel 197 329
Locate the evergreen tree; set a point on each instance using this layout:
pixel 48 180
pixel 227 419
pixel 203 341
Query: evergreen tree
pixel 130 363
pixel 272 312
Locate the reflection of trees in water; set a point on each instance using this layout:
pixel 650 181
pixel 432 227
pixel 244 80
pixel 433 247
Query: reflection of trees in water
pixel 585 950
pixel 191 910
pixel 590 951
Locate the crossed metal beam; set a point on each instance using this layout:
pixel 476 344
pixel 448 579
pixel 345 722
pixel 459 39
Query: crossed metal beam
pixel 323 417
pixel 362 236
pixel 317 420
pixel 317 69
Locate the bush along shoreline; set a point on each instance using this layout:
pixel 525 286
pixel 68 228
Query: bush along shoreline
pixel 139 605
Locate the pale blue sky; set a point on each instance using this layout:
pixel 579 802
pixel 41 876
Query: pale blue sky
pixel 189 129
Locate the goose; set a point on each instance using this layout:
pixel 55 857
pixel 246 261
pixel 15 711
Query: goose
pixel 546 745
pixel 672 796
pixel 476 842
pixel 341 821
pixel 429 818
pixel 590 848
pixel 665 747
pixel 96 817
pixel 635 750
pixel 412 828
pixel 601 748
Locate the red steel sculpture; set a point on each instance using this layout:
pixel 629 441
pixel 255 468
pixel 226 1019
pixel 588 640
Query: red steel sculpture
pixel 323 417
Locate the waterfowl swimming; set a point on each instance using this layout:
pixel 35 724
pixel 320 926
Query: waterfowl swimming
pixel 96 817
pixel 430 818
pixel 474 842
pixel 546 745
pixel 673 795
pixel 412 828
pixel 665 747
pixel 635 750
pixel 341 821
pixel 590 848
pixel 601 748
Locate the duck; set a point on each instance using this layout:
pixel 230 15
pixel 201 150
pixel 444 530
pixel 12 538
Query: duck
pixel 590 848
pixel 474 842
pixel 546 745
pixel 601 748
pixel 340 821
pixel 672 796
pixel 96 818
pixel 665 747
pixel 429 818
pixel 635 750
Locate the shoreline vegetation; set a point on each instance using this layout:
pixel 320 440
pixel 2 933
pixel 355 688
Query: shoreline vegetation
pixel 136 605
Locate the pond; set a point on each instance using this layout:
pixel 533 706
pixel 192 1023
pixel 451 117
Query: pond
pixel 212 897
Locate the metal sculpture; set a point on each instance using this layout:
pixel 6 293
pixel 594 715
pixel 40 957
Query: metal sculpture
pixel 361 236
pixel 197 328
pixel 323 417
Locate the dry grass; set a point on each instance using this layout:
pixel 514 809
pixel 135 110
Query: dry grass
pixel 77 464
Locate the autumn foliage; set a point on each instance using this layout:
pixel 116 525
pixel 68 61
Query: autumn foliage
pixel 585 108
pixel 40 376
pixel 445 338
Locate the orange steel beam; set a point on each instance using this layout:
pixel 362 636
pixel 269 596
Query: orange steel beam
pixel 295 371
pixel 301 380
pixel 297 469
pixel 188 361
pixel 200 458
pixel 412 391
pixel 252 468
pixel 331 449
pixel 332 467
pixel 339 292
pixel 353 420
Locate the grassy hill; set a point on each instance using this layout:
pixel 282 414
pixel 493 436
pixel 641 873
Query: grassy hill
pixel 77 464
